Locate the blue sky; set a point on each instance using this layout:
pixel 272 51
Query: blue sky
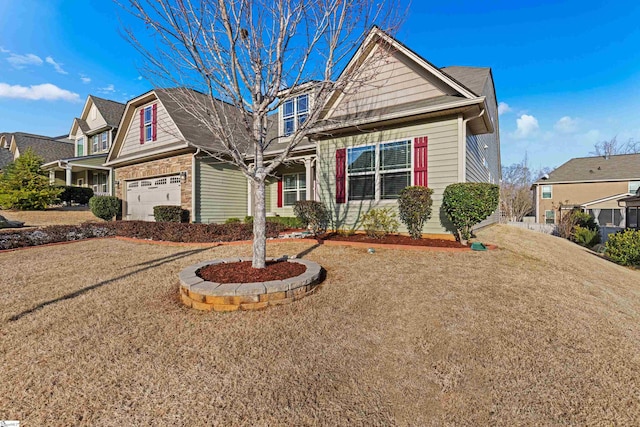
pixel 567 73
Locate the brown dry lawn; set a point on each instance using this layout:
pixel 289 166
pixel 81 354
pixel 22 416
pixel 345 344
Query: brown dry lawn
pixel 540 332
pixel 53 216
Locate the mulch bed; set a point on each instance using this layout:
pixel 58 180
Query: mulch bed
pixel 243 272
pixel 392 239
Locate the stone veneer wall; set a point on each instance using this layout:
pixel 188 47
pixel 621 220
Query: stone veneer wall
pixel 158 168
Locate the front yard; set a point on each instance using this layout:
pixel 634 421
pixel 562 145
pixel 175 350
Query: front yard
pixel 53 216
pixel 537 332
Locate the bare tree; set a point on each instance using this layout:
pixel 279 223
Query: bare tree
pixel 613 147
pixel 516 198
pixel 247 57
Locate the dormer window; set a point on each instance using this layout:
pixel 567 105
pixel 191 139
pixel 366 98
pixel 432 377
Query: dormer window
pixel 294 112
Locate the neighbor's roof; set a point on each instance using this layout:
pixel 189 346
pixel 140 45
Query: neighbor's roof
pixel 5 157
pixel 47 148
pixel 474 78
pixel 585 169
pixel 111 111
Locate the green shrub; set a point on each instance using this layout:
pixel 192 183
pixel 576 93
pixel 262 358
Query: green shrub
pixel 71 194
pixel 286 221
pixel 105 207
pixel 584 220
pixel 414 205
pixel 586 237
pixel 312 214
pixel 25 186
pixel 378 223
pixel 624 247
pixel 469 203
pixel 170 213
pixel 233 221
pixel 248 219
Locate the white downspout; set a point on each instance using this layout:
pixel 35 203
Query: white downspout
pixel 193 185
pixel 464 139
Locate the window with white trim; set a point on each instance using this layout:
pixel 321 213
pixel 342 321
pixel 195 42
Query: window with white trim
pixel 547 191
pixel 294 188
pixel 100 142
pixel 549 217
pixel 378 172
pixel 148 123
pixel 104 141
pixel 100 182
pixel 294 112
pixel 80 147
pixel 633 186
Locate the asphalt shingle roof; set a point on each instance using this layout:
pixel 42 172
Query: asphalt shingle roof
pixel 44 146
pixel 111 111
pixel 581 169
pixel 474 78
pixel 5 157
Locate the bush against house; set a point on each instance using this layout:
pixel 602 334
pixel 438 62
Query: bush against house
pixel 312 214
pixel 414 205
pixel 105 207
pixel 25 186
pixel 469 203
pixel 624 247
pixel 378 223
pixel 71 194
pixel 164 213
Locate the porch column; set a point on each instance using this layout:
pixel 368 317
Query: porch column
pixel 308 178
pixel 52 177
pixel 68 176
pixel 110 182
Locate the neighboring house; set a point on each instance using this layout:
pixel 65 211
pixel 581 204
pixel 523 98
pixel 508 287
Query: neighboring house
pixel 49 148
pixel 6 156
pixel 591 184
pixel 411 124
pixel 632 210
pixel 92 135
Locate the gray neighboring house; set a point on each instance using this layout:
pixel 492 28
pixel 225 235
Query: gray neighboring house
pixel 6 156
pixel 49 148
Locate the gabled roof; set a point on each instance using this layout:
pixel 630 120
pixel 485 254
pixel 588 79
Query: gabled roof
pixel 82 124
pixel 474 78
pixel 47 148
pixel 586 169
pixel 5 154
pixel 111 111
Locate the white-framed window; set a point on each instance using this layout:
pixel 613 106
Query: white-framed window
pixel 100 142
pixel 80 147
pixel 95 143
pixel 378 172
pixel 104 141
pixel 100 182
pixel 549 217
pixel 633 186
pixel 148 123
pixel 294 188
pixel 294 112
pixel 547 191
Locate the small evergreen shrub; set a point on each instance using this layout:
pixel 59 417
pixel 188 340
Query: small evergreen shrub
pixel 583 219
pixel 624 247
pixel 248 219
pixel 232 221
pixel 469 203
pixel 105 207
pixel 286 221
pixel 170 213
pixel 414 205
pixel 586 237
pixel 71 194
pixel 378 223
pixel 312 214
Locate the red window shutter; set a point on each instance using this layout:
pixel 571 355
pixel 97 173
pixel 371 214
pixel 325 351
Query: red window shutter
pixel 341 176
pixel 280 195
pixel 420 161
pixel 154 121
pixel 142 126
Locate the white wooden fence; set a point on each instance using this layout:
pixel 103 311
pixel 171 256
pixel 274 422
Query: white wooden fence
pixel 541 228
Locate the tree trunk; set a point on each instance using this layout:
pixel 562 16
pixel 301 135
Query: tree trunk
pixel 259 225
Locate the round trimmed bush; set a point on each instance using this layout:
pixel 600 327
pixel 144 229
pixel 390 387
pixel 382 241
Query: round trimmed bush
pixel 469 203
pixel 105 207
pixel 414 205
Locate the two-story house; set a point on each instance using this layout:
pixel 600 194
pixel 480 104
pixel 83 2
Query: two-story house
pixel 13 145
pixel 412 123
pixel 92 135
pixel 591 184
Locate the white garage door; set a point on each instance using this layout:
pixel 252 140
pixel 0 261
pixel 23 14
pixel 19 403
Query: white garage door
pixel 144 194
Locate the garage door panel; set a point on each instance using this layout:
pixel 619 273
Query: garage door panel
pixel 143 195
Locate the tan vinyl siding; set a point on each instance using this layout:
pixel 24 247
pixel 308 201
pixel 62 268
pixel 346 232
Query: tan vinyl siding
pixel 96 123
pixel 167 133
pixel 221 192
pixel 389 82
pixel 442 170
pixel 272 191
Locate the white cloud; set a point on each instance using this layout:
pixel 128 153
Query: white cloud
pixel 503 108
pixel 107 89
pixel 527 126
pixel 85 79
pixel 46 91
pixel 566 125
pixel 56 66
pixel 139 78
pixel 3 50
pixel 21 61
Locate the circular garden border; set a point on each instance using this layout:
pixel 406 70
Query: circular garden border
pixel 200 294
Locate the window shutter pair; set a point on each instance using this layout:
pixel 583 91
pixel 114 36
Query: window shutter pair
pixel 419 167
pixel 154 123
